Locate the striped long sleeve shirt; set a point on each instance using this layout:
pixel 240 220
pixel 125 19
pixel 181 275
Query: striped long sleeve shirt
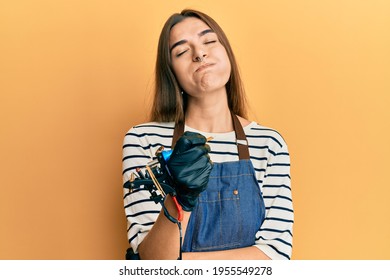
pixel 270 158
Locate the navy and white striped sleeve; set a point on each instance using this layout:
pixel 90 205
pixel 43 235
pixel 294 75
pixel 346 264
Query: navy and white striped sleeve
pixel 141 212
pixel 276 232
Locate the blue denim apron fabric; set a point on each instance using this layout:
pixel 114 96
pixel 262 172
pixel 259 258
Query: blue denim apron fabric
pixel 231 210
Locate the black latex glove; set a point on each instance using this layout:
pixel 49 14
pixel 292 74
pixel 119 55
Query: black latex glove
pixel 190 167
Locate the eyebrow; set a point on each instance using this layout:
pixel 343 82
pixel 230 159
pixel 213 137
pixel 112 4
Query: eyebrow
pixel 181 42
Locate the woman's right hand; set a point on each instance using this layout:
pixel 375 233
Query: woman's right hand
pixel 190 167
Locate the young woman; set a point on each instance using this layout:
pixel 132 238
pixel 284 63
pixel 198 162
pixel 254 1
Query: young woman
pixel 235 189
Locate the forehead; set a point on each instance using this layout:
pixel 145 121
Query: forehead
pixel 187 28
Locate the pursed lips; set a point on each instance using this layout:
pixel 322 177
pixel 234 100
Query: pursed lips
pixel 203 66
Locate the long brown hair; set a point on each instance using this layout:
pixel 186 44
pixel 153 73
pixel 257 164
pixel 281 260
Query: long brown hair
pixel 169 104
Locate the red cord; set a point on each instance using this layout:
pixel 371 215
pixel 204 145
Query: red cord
pixel 180 213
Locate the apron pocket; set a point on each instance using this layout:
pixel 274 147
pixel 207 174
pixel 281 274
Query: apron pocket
pixel 217 220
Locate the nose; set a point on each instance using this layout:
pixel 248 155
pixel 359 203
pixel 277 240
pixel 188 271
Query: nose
pixel 199 55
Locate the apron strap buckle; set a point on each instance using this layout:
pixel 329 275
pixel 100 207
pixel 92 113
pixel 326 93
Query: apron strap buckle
pixel 242 142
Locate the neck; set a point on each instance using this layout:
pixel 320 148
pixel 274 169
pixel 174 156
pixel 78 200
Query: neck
pixel 209 114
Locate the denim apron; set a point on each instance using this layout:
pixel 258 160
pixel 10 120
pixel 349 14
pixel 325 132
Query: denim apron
pixel 231 210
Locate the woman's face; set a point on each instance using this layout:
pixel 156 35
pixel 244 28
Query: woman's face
pixel 199 60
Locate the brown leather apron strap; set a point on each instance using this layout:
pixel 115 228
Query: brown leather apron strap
pixel 177 132
pixel 242 143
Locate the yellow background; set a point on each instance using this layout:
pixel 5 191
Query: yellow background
pixel 76 75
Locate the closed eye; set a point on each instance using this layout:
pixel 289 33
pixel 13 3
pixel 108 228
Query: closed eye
pixel 210 42
pixel 181 53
